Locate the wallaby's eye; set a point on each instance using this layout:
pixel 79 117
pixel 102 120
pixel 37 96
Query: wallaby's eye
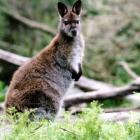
pixel 76 21
pixel 66 22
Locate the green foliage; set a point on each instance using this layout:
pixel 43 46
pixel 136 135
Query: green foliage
pixel 28 41
pixel 112 103
pixel 88 126
pixel 3 90
pixel 3 25
pixel 112 41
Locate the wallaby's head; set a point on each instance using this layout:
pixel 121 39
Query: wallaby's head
pixel 70 19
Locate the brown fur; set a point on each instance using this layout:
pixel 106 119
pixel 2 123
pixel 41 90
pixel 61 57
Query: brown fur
pixel 28 89
pixel 42 82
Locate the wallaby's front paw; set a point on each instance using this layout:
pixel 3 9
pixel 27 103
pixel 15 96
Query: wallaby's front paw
pixel 76 76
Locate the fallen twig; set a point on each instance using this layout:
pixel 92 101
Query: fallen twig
pixel 87 84
pixel 102 95
pixel 115 117
pixel 12 58
pixel 124 109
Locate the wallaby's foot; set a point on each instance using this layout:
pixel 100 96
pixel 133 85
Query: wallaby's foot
pixel 40 113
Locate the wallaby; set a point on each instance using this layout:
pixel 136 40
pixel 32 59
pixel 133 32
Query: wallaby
pixel 42 82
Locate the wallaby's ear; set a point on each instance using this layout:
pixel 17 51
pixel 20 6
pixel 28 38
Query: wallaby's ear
pixel 62 9
pixel 77 7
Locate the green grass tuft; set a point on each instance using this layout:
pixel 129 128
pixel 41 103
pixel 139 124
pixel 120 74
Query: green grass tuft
pixel 88 126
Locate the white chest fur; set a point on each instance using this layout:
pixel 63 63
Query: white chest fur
pixel 77 53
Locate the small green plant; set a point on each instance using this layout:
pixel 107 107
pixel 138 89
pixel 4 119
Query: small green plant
pixel 88 126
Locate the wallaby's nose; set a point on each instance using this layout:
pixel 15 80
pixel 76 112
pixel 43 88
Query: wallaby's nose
pixel 74 32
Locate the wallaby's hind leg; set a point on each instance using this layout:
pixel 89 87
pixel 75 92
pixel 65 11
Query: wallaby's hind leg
pixel 45 104
pixel 41 113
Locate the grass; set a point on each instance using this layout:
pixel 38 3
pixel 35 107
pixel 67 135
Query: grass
pixel 89 126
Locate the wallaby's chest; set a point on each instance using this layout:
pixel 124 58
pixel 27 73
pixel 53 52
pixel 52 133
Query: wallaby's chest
pixel 75 57
pixel 70 54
